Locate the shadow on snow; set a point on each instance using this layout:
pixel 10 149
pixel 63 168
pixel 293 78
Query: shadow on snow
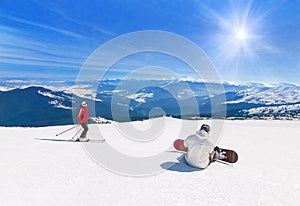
pixel 180 166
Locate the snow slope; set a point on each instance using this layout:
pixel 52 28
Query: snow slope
pixel 38 171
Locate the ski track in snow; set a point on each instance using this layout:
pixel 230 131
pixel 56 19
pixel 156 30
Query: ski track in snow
pixel 35 172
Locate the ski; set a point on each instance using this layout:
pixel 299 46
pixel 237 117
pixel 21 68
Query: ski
pixel 71 140
pixel 91 140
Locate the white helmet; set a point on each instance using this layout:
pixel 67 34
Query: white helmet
pixel 84 104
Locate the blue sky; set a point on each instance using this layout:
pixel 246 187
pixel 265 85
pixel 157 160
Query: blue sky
pixel 246 40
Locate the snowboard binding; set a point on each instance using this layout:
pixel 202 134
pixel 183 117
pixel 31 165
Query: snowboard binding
pixel 225 155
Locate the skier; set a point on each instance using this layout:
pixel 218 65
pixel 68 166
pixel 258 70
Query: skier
pixel 200 152
pixel 83 117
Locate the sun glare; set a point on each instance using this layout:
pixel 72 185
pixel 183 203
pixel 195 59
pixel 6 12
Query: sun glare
pixel 242 35
pixel 239 34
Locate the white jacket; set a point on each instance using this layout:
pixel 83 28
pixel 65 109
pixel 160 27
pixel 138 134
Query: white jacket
pixel 199 148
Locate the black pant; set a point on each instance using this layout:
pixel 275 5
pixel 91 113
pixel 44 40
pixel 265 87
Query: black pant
pixel 85 129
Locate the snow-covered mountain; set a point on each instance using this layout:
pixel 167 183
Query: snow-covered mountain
pixel 135 99
pixel 270 95
pixel 35 106
pixel 241 99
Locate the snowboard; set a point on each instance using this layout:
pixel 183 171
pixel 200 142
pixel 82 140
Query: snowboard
pixel 178 145
pixel 230 156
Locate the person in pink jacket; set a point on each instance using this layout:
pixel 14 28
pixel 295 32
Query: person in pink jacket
pixel 83 117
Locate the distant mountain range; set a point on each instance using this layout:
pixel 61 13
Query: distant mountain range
pixel 130 100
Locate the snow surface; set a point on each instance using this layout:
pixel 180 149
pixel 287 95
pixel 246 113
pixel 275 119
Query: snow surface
pixel 37 172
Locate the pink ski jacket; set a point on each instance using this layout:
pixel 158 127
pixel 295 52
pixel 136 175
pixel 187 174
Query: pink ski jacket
pixel 83 115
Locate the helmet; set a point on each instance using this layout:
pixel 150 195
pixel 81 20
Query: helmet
pixel 84 104
pixel 205 127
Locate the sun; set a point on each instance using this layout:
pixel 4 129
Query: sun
pixel 241 35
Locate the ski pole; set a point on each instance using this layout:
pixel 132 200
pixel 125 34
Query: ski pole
pixel 77 133
pixel 67 130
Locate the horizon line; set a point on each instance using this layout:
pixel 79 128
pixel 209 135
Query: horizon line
pixel 26 81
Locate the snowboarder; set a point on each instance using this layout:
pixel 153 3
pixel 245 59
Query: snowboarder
pixel 200 152
pixel 83 117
